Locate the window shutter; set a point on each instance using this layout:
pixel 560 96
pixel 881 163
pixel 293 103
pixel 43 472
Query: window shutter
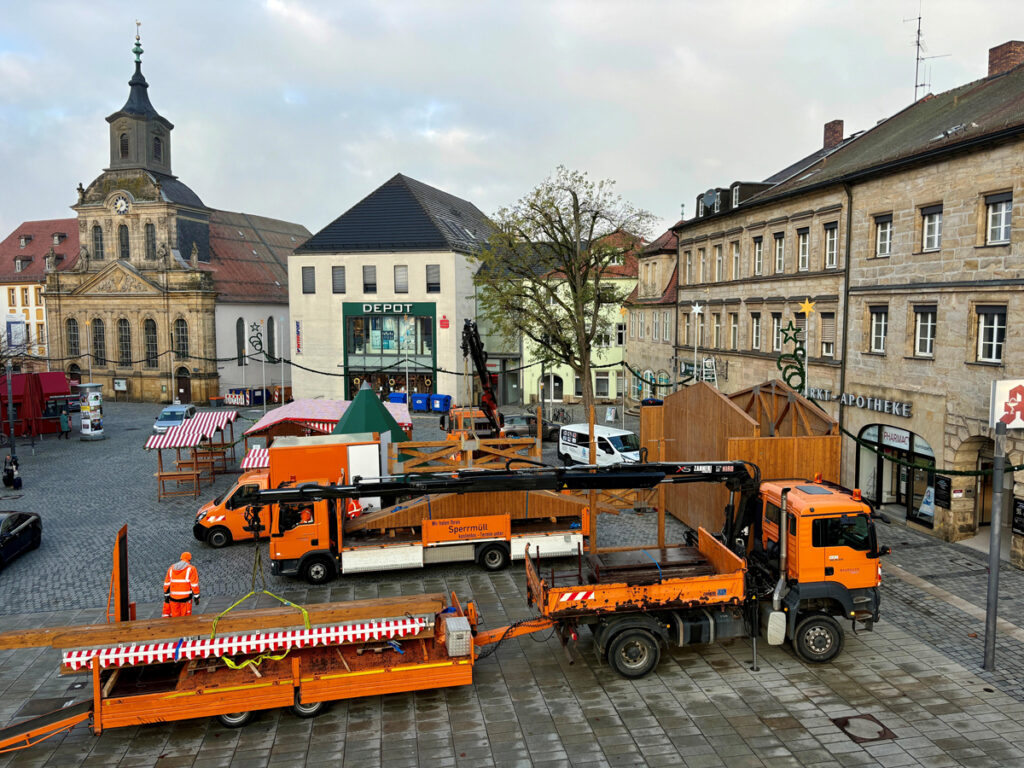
pixel 369 278
pixel 931 209
pixel 308 280
pixel 433 278
pixel 338 279
pixel 828 326
pixel 884 218
pixel 401 278
pixel 801 323
pixel 1002 197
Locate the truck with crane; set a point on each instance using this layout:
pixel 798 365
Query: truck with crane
pixel 793 558
pixel 484 420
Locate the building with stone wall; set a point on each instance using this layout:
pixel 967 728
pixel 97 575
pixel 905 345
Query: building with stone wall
pixel 924 293
pixel 137 308
pixel 650 323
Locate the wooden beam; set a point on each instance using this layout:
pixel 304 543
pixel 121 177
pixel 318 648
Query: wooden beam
pixel 87 636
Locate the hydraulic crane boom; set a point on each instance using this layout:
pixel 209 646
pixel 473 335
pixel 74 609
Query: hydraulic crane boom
pixel 473 347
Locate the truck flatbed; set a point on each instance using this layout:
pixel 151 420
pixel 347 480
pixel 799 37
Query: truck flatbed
pixel 648 566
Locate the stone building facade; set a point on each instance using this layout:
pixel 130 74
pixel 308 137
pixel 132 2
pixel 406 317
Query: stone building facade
pixel 136 308
pixel 650 324
pixel 924 293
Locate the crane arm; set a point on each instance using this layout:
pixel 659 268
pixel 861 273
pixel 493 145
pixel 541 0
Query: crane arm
pixel 473 347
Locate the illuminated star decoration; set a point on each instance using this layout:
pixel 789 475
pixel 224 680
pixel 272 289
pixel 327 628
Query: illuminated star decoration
pixel 696 309
pixel 791 333
pixel 256 339
pixel 807 307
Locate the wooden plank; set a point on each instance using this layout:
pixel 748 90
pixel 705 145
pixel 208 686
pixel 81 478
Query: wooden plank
pixel 237 621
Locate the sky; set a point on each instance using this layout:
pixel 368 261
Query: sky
pixel 298 109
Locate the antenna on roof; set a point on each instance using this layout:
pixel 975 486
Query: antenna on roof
pixel 921 48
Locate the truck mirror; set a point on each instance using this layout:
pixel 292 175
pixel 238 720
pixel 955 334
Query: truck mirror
pixel 885 551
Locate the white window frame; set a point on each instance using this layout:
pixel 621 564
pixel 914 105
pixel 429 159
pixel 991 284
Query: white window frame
pixel 924 331
pixel 998 216
pixel 991 336
pixel 716 330
pixel 758 255
pixel 734 330
pixel 780 255
pixel 632 325
pixel 828 345
pixel 686 329
pixel 879 329
pixel 656 326
pixel 701 328
pixel 700 206
pixel 718 201
pixel 755 330
pixel 736 196
pixel 688 264
pixel 803 240
pixel 883 238
pixel 735 250
pixel 602 376
pixel 831 247
pixel 719 263
pixel 702 258
pixel 620 334
pixel 776 331
pixel 641 325
pixel 931 231
pixel 665 329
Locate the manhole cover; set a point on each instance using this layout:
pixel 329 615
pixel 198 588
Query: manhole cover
pixel 42 706
pixel 863 728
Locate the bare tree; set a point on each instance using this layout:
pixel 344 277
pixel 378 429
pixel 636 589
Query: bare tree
pixel 546 273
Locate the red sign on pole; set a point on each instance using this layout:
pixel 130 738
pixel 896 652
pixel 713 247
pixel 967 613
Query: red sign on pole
pixel 444 321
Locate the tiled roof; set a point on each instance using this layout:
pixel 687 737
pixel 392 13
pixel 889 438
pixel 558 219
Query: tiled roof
pixel 249 259
pixel 404 215
pixel 667 243
pixel 34 253
pixel 975 112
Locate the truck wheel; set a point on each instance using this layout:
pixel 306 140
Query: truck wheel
pixel 634 653
pixel 307 710
pixel 493 557
pixel 236 719
pixel 818 638
pixel 218 537
pixel 564 458
pixel 317 570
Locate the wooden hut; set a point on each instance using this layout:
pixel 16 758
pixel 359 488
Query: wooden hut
pixel 770 424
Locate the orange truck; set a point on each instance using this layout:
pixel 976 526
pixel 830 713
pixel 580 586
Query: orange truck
pixel 637 600
pixel 291 460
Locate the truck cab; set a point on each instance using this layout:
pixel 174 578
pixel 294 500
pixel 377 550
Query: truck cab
pixel 220 522
pixel 832 566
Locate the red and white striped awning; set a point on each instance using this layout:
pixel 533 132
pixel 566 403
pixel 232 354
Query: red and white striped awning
pixel 326 427
pixel 185 649
pixel 213 421
pixel 182 436
pixel 257 458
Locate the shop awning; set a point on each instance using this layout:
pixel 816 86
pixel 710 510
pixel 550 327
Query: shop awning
pixel 257 458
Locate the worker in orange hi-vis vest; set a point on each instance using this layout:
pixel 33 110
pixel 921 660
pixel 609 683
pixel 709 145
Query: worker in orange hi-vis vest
pixel 353 509
pixel 181 587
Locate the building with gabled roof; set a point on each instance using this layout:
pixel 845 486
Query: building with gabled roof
pixel 164 297
pixel 24 255
pixel 381 293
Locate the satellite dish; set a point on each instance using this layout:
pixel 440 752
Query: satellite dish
pixel 709 198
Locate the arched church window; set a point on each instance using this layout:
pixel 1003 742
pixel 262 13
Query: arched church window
pixel 150 241
pixel 124 146
pixel 97 242
pixel 158 148
pixel 149 332
pixel 122 241
pixel 180 339
pixel 240 340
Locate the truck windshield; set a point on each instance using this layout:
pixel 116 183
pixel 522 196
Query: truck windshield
pixel 625 443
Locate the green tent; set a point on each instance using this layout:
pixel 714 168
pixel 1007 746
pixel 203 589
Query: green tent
pixel 367 414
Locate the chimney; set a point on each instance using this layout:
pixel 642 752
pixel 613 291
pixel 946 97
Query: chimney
pixel 1005 57
pixel 833 133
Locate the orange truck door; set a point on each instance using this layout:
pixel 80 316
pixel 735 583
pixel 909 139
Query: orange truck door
pixel 846 542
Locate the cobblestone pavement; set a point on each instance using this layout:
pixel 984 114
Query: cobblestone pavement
pixel 918 673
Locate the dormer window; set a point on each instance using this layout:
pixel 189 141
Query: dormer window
pixel 24 240
pixel 58 238
pixel 736 196
pixel 158 149
pixel 718 201
pixel 700 207
pixel 18 265
pixel 124 146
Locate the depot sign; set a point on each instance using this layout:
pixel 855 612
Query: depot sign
pixel 868 403
pixel 410 308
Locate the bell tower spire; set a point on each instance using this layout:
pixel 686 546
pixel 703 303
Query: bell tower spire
pixel 139 136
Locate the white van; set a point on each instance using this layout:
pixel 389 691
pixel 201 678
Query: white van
pixel 614 446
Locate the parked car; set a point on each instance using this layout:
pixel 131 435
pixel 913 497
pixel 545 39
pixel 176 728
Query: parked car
pixel 173 416
pixel 525 425
pixel 19 532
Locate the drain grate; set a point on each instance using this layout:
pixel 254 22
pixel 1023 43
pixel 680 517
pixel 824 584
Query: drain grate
pixel 863 729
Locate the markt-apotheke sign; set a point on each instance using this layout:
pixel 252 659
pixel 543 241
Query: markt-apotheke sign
pixel 867 402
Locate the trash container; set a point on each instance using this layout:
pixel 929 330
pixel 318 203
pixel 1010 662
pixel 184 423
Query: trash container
pixel 440 403
pixel 421 403
pixel 396 397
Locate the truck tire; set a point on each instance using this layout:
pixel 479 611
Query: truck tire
pixel 218 537
pixel 317 570
pixel 307 710
pixel 236 719
pixel 564 458
pixel 818 638
pixel 634 653
pixel 493 557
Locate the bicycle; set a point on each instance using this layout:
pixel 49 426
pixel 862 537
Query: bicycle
pixel 561 415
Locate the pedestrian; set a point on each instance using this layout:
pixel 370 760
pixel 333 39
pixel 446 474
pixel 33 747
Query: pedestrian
pixel 11 472
pixel 181 587
pixel 65 424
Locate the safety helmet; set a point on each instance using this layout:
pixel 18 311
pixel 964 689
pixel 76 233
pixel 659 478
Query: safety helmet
pixel 186 556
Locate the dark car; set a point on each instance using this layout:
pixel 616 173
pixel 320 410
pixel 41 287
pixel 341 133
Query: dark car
pixel 525 425
pixel 19 532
